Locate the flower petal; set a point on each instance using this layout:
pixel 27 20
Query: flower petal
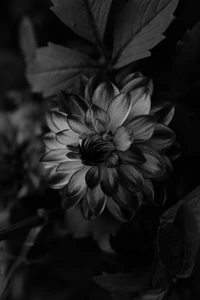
pixel 162 139
pixel 142 127
pixel 141 103
pixel 60 120
pixel 118 111
pixel 115 210
pixel 50 122
pixel 72 104
pixel 51 142
pixel 130 178
pixel 164 111
pixel 67 137
pixel 132 156
pixel 93 82
pixel 57 180
pixel 122 138
pixel 148 190
pixel 77 123
pixel 112 160
pixel 104 93
pixel 96 200
pixel 124 80
pixel 126 199
pixel 55 156
pixel 174 152
pixel 80 85
pixel 74 155
pixel 85 209
pixel 135 83
pixel 109 181
pixel 168 166
pixel 69 166
pixel 93 177
pixel 95 113
pixel 76 188
pixel 154 167
pixel 100 126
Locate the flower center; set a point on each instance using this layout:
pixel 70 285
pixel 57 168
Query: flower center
pixel 95 150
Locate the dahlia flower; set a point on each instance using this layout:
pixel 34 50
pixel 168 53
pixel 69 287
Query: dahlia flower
pixel 107 146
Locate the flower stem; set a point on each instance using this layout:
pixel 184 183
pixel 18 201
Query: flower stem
pixel 28 223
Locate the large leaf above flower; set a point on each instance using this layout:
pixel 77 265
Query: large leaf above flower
pixel 56 68
pixel 139 28
pixel 86 18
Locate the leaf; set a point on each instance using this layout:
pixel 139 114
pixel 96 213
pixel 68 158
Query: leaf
pixel 86 18
pixel 188 56
pixel 178 242
pixel 156 294
pixel 56 68
pixel 193 202
pixel 123 282
pixel 27 38
pixel 139 28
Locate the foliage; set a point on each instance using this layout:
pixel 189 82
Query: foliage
pixel 150 50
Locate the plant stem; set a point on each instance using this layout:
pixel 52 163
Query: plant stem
pixel 33 221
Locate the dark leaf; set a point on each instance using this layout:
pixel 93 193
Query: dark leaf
pixel 188 57
pixel 193 202
pixel 121 296
pixel 27 38
pixel 123 282
pixel 56 68
pixel 178 242
pixel 156 294
pixel 86 18
pixel 139 28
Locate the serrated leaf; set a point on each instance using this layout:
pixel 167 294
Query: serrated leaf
pixel 56 68
pixel 27 38
pixel 123 282
pixel 86 18
pixel 139 28
pixel 178 242
pixel 188 56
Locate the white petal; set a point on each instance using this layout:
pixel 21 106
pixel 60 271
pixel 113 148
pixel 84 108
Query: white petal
pixel 51 142
pixel 122 138
pixel 118 111
pixel 77 183
pixel 141 103
pixel 57 180
pixel 103 94
pixel 55 156
pixel 133 84
pixel 77 123
pixel 60 120
pixel 142 127
pixel 50 122
pixel 67 137
pixel 95 113
pixel 70 166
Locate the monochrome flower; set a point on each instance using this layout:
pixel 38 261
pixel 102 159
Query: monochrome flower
pixel 105 148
